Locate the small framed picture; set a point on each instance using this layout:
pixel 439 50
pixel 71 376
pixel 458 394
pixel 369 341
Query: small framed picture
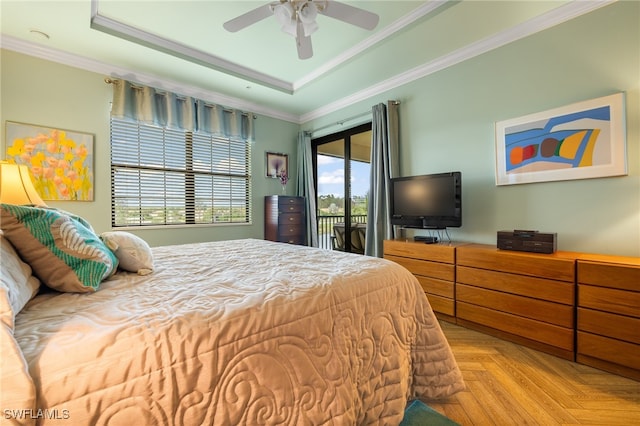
pixel 276 163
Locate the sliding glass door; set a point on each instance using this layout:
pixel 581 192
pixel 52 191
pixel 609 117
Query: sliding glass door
pixel 342 164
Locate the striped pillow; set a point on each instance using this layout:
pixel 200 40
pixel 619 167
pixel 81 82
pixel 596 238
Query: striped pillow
pixel 61 248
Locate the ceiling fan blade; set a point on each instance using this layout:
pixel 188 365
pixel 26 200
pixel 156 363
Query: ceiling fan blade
pixel 303 43
pixel 249 18
pixel 351 15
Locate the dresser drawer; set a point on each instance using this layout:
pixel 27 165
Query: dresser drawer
pixel 626 277
pixel 437 287
pixel 539 310
pixel 441 252
pixel 442 305
pixel 290 204
pixel 290 229
pixel 534 287
pixel 557 266
pixel 443 271
pixel 549 334
pixel 612 325
pixel 610 350
pixel 292 239
pixel 609 300
pixel 290 219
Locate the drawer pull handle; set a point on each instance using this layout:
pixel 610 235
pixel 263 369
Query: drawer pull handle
pixel 290 219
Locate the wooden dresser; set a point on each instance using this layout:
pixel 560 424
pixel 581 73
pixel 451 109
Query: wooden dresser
pixel 434 266
pixel 528 298
pixel 578 306
pixel 284 219
pixel 608 326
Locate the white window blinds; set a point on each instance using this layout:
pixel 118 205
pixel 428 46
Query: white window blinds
pixel 161 176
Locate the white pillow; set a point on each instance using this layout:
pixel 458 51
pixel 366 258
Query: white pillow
pixel 133 253
pixel 17 284
pixel 18 389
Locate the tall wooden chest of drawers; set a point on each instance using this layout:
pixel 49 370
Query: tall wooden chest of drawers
pixel 608 326
pixel 528 298
pixel 284 219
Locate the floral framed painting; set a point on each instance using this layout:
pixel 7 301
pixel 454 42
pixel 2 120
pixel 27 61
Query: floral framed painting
pixel 579 141
pixel 276 164
pixel 60 161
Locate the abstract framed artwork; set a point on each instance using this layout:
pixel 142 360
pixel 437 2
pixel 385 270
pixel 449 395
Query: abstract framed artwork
pixel 60 161
pixel 276 163
pixel 579 141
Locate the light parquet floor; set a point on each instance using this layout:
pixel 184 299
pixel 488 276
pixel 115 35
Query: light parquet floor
pixel 509 384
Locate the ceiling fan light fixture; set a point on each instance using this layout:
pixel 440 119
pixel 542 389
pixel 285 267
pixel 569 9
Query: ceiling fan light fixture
pixel 290 28
pixel 309 28
pixel 298 18
pixel 286 16
pixel 307 14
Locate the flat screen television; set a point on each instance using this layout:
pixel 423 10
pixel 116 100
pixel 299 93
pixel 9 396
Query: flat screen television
pixel 428 201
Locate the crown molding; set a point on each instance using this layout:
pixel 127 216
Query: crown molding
pixel 542 22
pixel 552 18
pixel 136 35
pixel 164 45
pixel 76 61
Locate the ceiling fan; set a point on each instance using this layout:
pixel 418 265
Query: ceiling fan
pixel 298 18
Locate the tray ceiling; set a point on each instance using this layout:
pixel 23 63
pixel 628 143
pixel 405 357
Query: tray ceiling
pixel 182 46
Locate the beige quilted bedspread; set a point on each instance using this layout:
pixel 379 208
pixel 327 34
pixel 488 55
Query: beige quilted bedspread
pixel 239 332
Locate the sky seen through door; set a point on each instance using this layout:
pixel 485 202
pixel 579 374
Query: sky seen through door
pixel 331 177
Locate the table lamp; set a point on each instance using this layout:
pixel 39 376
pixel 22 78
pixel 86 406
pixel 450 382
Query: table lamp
pixel 16 186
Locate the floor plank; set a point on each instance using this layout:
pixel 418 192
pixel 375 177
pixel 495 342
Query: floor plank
pixel 509 384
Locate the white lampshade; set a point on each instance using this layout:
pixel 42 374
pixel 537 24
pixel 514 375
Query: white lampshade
pixel 310 28
pixel 16 186
pixel 286 16
pixel 307 14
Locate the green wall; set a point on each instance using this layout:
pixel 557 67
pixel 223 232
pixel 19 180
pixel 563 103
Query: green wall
pixel 447 123
pixel 50 94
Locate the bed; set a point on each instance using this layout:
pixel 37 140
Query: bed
pixel 225 333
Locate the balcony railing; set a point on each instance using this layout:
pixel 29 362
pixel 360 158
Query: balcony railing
pixel 325 227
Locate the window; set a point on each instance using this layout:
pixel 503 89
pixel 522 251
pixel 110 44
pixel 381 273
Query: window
pixel 161 176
